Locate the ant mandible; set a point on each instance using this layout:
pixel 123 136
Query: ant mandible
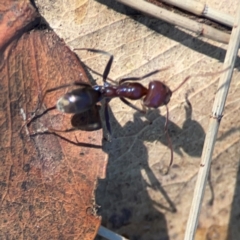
pixel 84 98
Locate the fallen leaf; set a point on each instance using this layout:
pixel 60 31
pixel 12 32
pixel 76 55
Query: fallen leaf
pixel 47 183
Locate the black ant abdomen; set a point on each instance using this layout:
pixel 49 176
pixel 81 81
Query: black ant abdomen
pixel 87 121
pixel 79 100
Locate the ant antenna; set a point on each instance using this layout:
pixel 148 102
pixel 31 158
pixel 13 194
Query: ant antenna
pixel 199 75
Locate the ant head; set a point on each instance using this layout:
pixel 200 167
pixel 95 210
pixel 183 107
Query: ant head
pixel 158 95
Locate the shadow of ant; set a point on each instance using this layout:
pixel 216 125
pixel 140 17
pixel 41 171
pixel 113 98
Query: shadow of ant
pixel 126 205
pixel 189 138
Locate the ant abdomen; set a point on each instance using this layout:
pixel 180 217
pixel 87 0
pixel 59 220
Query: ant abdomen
pixel 89 120
pixel 79 100
pixel 158 95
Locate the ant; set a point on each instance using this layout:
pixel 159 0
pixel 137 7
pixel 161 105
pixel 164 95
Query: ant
pixel 86 97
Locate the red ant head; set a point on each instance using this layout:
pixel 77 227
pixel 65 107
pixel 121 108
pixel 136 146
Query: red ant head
pixel 158 95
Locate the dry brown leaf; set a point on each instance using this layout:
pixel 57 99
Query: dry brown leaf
pixel 47 183
pixel 15 18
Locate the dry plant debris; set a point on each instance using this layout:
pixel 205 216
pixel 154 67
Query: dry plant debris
pixel 47 183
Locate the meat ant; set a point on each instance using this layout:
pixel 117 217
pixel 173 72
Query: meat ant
pixel 85 97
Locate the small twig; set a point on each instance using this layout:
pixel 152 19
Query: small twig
pixel 202 9
pixel 108 234
pixel 211 135
pixel 176 19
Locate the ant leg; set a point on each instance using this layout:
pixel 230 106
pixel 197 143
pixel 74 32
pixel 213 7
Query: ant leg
pixel 85 121
pixel 132 106
pixel 28 122
pixel 68 140
pixel 52 130
pixel 168 138
pixel 143 77
pixel 106 114
pixel 137 78
pixel 48 130
pixel 40 115
pixel 109 64
pixel 99 74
